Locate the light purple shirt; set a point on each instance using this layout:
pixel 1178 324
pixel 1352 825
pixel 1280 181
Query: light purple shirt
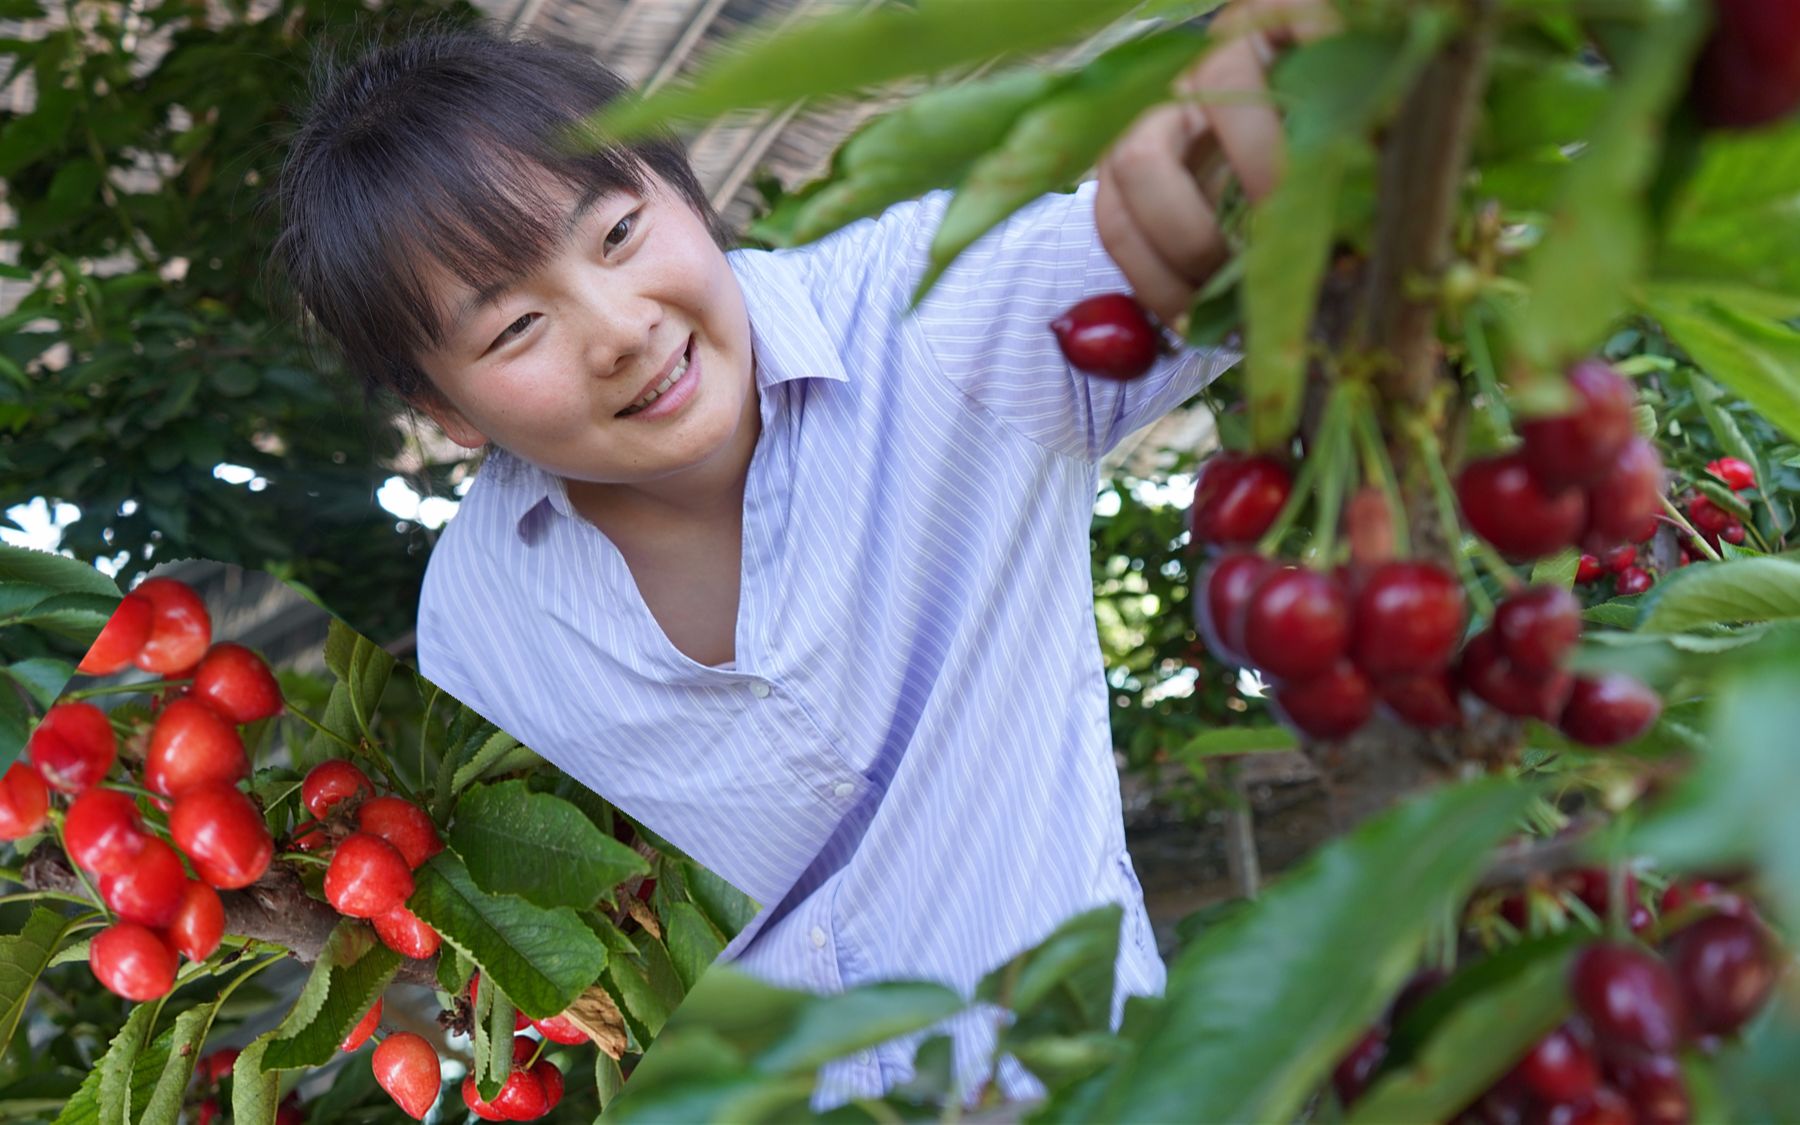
pixel 910 763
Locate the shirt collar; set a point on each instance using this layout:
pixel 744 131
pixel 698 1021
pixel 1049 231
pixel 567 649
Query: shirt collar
pixel 789 342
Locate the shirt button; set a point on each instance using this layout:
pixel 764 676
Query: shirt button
pixel 844 789
pixel 865 1057
pixel 759 689
pixel 818 938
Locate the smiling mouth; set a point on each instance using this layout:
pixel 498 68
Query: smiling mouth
pixel 662 388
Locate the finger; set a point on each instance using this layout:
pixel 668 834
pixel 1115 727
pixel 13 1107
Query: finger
pixel 1235 97
pixel 1157 192
pixel 1287 22
pixel 1157 286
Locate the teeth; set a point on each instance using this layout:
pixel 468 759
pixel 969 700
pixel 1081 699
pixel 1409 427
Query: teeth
pixel 657 391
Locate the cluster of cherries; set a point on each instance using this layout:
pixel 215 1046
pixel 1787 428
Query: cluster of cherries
pixel 192 763
pixel 1613 1062
pixel 209 1076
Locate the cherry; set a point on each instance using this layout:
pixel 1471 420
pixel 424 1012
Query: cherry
pixel 121 640
pixel 1511 690
pixel 1593 886
pixel 148 891
pixel 132 961
pixel 1428 702
pixel 1748 73
pixel 1653 1085
pixel 364 1028
pixel 1733 533
pixel 1607 709
pixel 199 922
pixel 237 684
pixel 207 1111
pixel 1296 623
pixel 1353 1073
pixel 331 781
pixel 1236 499
pixel 472 1099
pixel 216 1067
pixel 522 1098
pixel 223 832
pixel 1620 557
pixel 1633 580
pixel 408 1069
pixel 1506 506
pixel 1726 971
pixel 73 746
pixel 192 745
pixel 558 1029
pixel 1590 569
pixel 552 1081
pixel 1330 705
pixel 1576 448
pixel 1707 517
pixel 406 933
pixel 1604 1107
pixel 1683 895
pixel 289 1112
pixel 103 831
pixel 1537 627
pixel 1109 334
pixel 367 877
pixel 180 628
pixel 1629 996
pixel 1225 586
pixel 1735 473
pixel 1627 498
pixel 402 824
pixel 1561 1067
pixel 24 801
pixel 1408 619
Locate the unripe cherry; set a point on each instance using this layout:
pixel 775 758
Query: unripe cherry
pixel 408 1069
pixel 149 890
pixel 120 641
pixel 1109 335
pixel 223 832
pixel 72 746
pixel 24 801
pixel 192 745
pixel 406 933
pixel 331 781
pixel 367 877
pixel 103 831
pixel 237 684
pixel 402 824
pixel 180 628
pixel 199 922
pixel 132 961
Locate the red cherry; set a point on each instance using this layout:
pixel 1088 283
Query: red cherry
pixel 1561 1067
pixel 1620 557
pixel 120 641
pixel 1626 498
pixel 192 745
pixel 1408 619
pixel 1505 505
pixel 402 824
pixel 1593 886
pixel 1684 896
pixel 331 781
pixel 1629 996
pixel 24 801
pixel 1633 580
pixel 1353 1073
pixel 180 628
pixel 472 1099
pixel 367 877
pixel 1735 473
pixel 1296 623
pixel 558 1029
pixel 1607 709
pixel 73 746
pixel 1653 1085
pixel 289 1112
pixel 1331 705
pixel 552 1081
pixel 522 1098
pixel 103 831
pixel 1224 588
pixel 1537 627
pixel 1428 701
pixel 207 1111
pixel 364 1028
pixel 132 961
pixel 199 922
pixel 1576 448
pixel 1733 533
pixel 408 1069
pixel 223 832
pixel 1726 971
pixel 1108 335
pixel 1238 499
pixel 1590 569
pixel 237 684
pixel 216 1067
pixel 1707 517
pixel 1748 73
pixel 406 933
pixel 1604 1107
pixel 149 890
pixel 1511 690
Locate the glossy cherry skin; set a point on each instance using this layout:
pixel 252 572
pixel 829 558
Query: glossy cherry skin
pixel 1537 627
pixel 1726 970
pixel 1408 619
pixel 149 890
pixel 180 628
pixel 1429 701
pixel 1748 73
pixel 1296 623
pixel 1237 499
pixel 1353 1073
pixel 367 877
pixel 1733 533
pixel 1505 505
pixel 1607 709
pixel 1561 1066
pixel 1707 517
pixel 1698 897
pixel 331 781
pixel 1736 473
pixel 132 961
pixel 1225 586
pixel 408 1069
pixel 1629 997
pixel 199 922
pixel 223 832
pixel 1590 569
pixel 402 824
pixel 24 801
pixel 103 831
pixel 522 1098
pixel 1654 1087
pixel 1605 1106
pixel 472 1099
pixel 558 1029
pixel 1489 676
pixel 1333 704
pixel 72 746
pixel 1576 448
pixel 406 933
pixel 364 1028
pixel 1109 335
pixel 1626 499
pixel 1633 580
pixel 192 745
pixel 237 684
pixel 120 641
pixel 1620 557
pixel 552 1081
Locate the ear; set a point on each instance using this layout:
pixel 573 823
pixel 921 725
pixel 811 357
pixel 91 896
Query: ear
pixel 450 420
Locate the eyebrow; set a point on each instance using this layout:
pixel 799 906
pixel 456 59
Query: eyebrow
pixel 492 293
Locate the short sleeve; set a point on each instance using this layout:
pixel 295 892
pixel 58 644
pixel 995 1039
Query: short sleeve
pixel 986 322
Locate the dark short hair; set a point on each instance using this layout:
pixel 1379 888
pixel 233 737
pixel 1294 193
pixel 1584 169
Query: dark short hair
pixel 438 146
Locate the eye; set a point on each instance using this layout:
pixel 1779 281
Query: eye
pixel 630 219
pixel 507 334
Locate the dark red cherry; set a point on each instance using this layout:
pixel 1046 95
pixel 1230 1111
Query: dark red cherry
pixel 1505 505
pixel 1511 690
pixel 1108 335
pixel 1620 557
pixel 1593 886
pixel 1428 701
pixel 1626 498
pixel 1296 624
pixel 1629 997
pixel 1654 1087
pixel 1726 970
pixel 1748 73
pixel 1353 1073
pixel 1408 619
pixel 1537 627
pixel 1562 1066
pixel 1605 1106
pixel 1240 500
pixel 1332 704
pixel 1590 569
pixel 1224 588
pixel 1607 709
pixel 1576 448
pixel 1633 580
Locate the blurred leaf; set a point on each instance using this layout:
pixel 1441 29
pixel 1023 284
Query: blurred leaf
pixel 1737 590
pixel 538 846
pixel 44 678
pixel 41 568
pixel 1066 979
pixel 831 1027
pixel 1221 741
pixel 1736 221
pixel 1759 359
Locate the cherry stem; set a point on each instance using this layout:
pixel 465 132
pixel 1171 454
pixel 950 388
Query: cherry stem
pixel 1700 542
pixel 1333 453
pixel 93 895
pixel 322 729
pixel 304 857
pixel 116 689
pixel 32 896
pixel 1443 495
pixel 1379 467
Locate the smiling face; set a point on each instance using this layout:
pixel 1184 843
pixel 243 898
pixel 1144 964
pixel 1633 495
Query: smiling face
pixel 545 368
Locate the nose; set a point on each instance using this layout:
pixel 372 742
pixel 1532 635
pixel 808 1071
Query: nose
pixel 620 332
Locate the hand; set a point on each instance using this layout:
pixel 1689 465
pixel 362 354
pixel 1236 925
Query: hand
pixel 1160 182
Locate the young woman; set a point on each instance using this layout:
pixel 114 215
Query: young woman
pixel 794 577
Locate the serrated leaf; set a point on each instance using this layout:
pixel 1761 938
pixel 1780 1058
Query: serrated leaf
pixel 1070 973
pixel 120 1079
pixel 494 750
pixel 185 1037
pixel 255 1092
pixel 79 617
pixel 693 942
pixel 491 1023
pixel 1737 590
pixel 1735 221
pixel 23 957
pixel 352 970
pixel 659 969
pixel 56 572
pixel 538 846
pixel 644 1007
pixel 726 907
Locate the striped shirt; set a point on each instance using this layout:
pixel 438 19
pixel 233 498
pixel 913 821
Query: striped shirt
pixel 909 763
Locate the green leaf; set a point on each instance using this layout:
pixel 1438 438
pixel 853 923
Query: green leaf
pixel 830 1027
pixel 495 752
pixel 694 943
pixel 112 1086
pixel 1238 740
pixel 1262 1005
pixel 1724 427
pixel 1060 1061
pixel 79 617
pixel 538 846
pixel 43 677
pixel 23 956
pixel 352 971
pixel 185 1037
pixel 492 1020
pixel 542 958
pixel 1737 590
pixel 1757 358
pixel 57 572
pixel 644 1006
pixel 1736 222
pixel 361 664
pixel 1066 980
pixel 726 907
pixel 255 1092
pixel 1558 569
